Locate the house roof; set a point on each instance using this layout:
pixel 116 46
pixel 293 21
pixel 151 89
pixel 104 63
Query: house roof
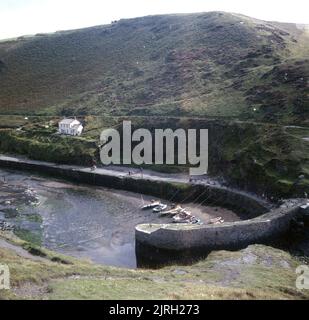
pixel 68 121
pixel 77 125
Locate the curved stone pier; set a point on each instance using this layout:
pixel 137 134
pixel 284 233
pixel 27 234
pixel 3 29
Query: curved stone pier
pixel 223 236
pixel 156 244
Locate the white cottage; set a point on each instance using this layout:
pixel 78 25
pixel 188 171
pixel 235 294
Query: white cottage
pixel 70 126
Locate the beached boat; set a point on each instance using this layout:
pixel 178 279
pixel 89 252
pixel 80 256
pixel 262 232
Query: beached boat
pixel 186 219
pixel 217 220
pixel 183 216
pixel 151 205
pixel 177 219
pixel 160 207
pixel 173 211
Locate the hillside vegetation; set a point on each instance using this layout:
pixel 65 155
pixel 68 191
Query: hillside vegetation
pixel 208 64
pixel 270 159
pixel 244 79
pixel 257 272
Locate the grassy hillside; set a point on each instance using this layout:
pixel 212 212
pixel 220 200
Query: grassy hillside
pixel 207 64
pixel 258 272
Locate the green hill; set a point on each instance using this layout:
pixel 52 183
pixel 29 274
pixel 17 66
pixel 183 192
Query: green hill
pixel 208 64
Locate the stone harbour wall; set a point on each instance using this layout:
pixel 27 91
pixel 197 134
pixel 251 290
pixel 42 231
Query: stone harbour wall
pixel 268 221
pixel 229 235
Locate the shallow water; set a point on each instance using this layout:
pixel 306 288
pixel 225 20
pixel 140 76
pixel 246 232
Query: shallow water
pixel 82 221
pixel 87 222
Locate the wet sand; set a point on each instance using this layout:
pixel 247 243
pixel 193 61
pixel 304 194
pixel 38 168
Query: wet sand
pixel 205 213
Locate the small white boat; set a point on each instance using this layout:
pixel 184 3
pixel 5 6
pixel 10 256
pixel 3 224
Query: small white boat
pixel 219 221
pixel 177 219
pixel 186 217
pixel 215 220
pixel 160 207
pixel 172 212
pixel 182 217
pixel 151 205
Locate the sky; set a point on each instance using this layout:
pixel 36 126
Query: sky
pixel 22 17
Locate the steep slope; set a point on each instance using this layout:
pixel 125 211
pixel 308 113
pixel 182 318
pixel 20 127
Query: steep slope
pixel 207 64
pixel 257 272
